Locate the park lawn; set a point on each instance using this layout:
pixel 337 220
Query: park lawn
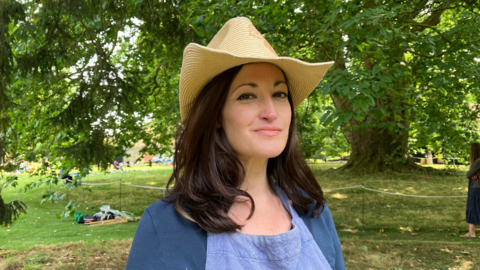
pixel 399 232
pixel 40 225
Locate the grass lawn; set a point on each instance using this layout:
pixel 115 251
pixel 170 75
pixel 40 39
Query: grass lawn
pixel 399 232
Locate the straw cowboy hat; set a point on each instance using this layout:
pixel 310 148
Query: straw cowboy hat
pixel 238 43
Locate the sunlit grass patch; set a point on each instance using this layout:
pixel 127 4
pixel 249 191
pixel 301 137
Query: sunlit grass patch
pixel 339 196
pixel 408 254
pixel 105 254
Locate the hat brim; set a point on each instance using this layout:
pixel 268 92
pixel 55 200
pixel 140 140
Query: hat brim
pixel 201 64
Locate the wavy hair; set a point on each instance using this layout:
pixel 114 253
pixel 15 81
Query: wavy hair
pixel 206 176
pixel 474 153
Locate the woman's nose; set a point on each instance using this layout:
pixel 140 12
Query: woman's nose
pixel 268 111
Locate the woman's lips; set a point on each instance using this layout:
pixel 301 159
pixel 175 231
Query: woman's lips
pixel 268 131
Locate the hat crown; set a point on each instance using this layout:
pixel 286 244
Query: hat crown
pixel 239 37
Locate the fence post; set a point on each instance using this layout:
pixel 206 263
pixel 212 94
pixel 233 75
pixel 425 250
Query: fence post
pixel 363 206
pixel 120 194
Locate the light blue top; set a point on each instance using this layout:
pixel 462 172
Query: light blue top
pixel 295 249
pixel 165 240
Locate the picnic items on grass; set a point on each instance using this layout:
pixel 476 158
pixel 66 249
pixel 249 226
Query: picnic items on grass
pixel 106 214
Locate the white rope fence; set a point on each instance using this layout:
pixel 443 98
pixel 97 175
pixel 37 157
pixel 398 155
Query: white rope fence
pixel 417 196
pixel 164 188
pixel 100 184
pixel 342 188
pixel 331 189
pixel 122 183
pixel 391 193
pixel 362 186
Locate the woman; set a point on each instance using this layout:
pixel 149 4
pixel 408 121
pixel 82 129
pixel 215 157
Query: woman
pixel 242 196
pixel 473 200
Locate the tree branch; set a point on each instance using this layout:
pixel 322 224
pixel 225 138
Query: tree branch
pixel 433 19
pixel 433 28
pixel 94 40
pixel 101 15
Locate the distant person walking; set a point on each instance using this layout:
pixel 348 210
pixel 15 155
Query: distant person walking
pixel 473 200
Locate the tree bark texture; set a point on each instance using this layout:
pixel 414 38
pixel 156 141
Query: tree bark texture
pixel 376 150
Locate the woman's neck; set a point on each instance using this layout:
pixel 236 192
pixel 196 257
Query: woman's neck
pixel 256 180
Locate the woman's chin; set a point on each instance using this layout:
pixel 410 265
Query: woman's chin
pixel 268 153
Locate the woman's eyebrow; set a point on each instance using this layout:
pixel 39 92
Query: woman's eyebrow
pixel 277 83
pixel 253 85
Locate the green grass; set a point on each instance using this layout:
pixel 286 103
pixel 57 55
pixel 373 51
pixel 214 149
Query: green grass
pixel 40 225
pixel 377 231
pixel 398 225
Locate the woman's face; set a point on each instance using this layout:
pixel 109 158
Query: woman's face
pixel 256 115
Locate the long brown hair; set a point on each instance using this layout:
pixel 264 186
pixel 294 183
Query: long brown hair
pixel 206 176
pixel 474 153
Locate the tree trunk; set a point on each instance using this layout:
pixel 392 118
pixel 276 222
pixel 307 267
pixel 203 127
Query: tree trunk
pixel 374 150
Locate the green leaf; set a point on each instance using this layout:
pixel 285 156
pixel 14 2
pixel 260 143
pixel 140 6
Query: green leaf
pixel 199 19
pixel 325 89
pixel 370 101
pixel 356 103
pixel 365 91
pixel 324 117
pixel 337 123
pixel 388 35
pixel 363 104
pixel 352 94
pixel 348 116
pixel 385 78
pixel 382 84
pixel 346 24
pixel 384 112
pixel 329 119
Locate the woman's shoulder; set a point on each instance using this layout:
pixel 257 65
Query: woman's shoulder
pixel 166 219
pixel 325 217
pixel 166 240
pixel 476 164
pixel 160 209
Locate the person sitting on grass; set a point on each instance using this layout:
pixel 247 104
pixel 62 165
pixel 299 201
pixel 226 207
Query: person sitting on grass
pixel 65 175
pixel 117 166
pixel 473 199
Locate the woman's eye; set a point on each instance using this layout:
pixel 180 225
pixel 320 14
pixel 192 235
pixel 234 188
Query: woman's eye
pixel 281 95
pixel 245 97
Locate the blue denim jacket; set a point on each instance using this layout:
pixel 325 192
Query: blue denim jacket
pixel 166 240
